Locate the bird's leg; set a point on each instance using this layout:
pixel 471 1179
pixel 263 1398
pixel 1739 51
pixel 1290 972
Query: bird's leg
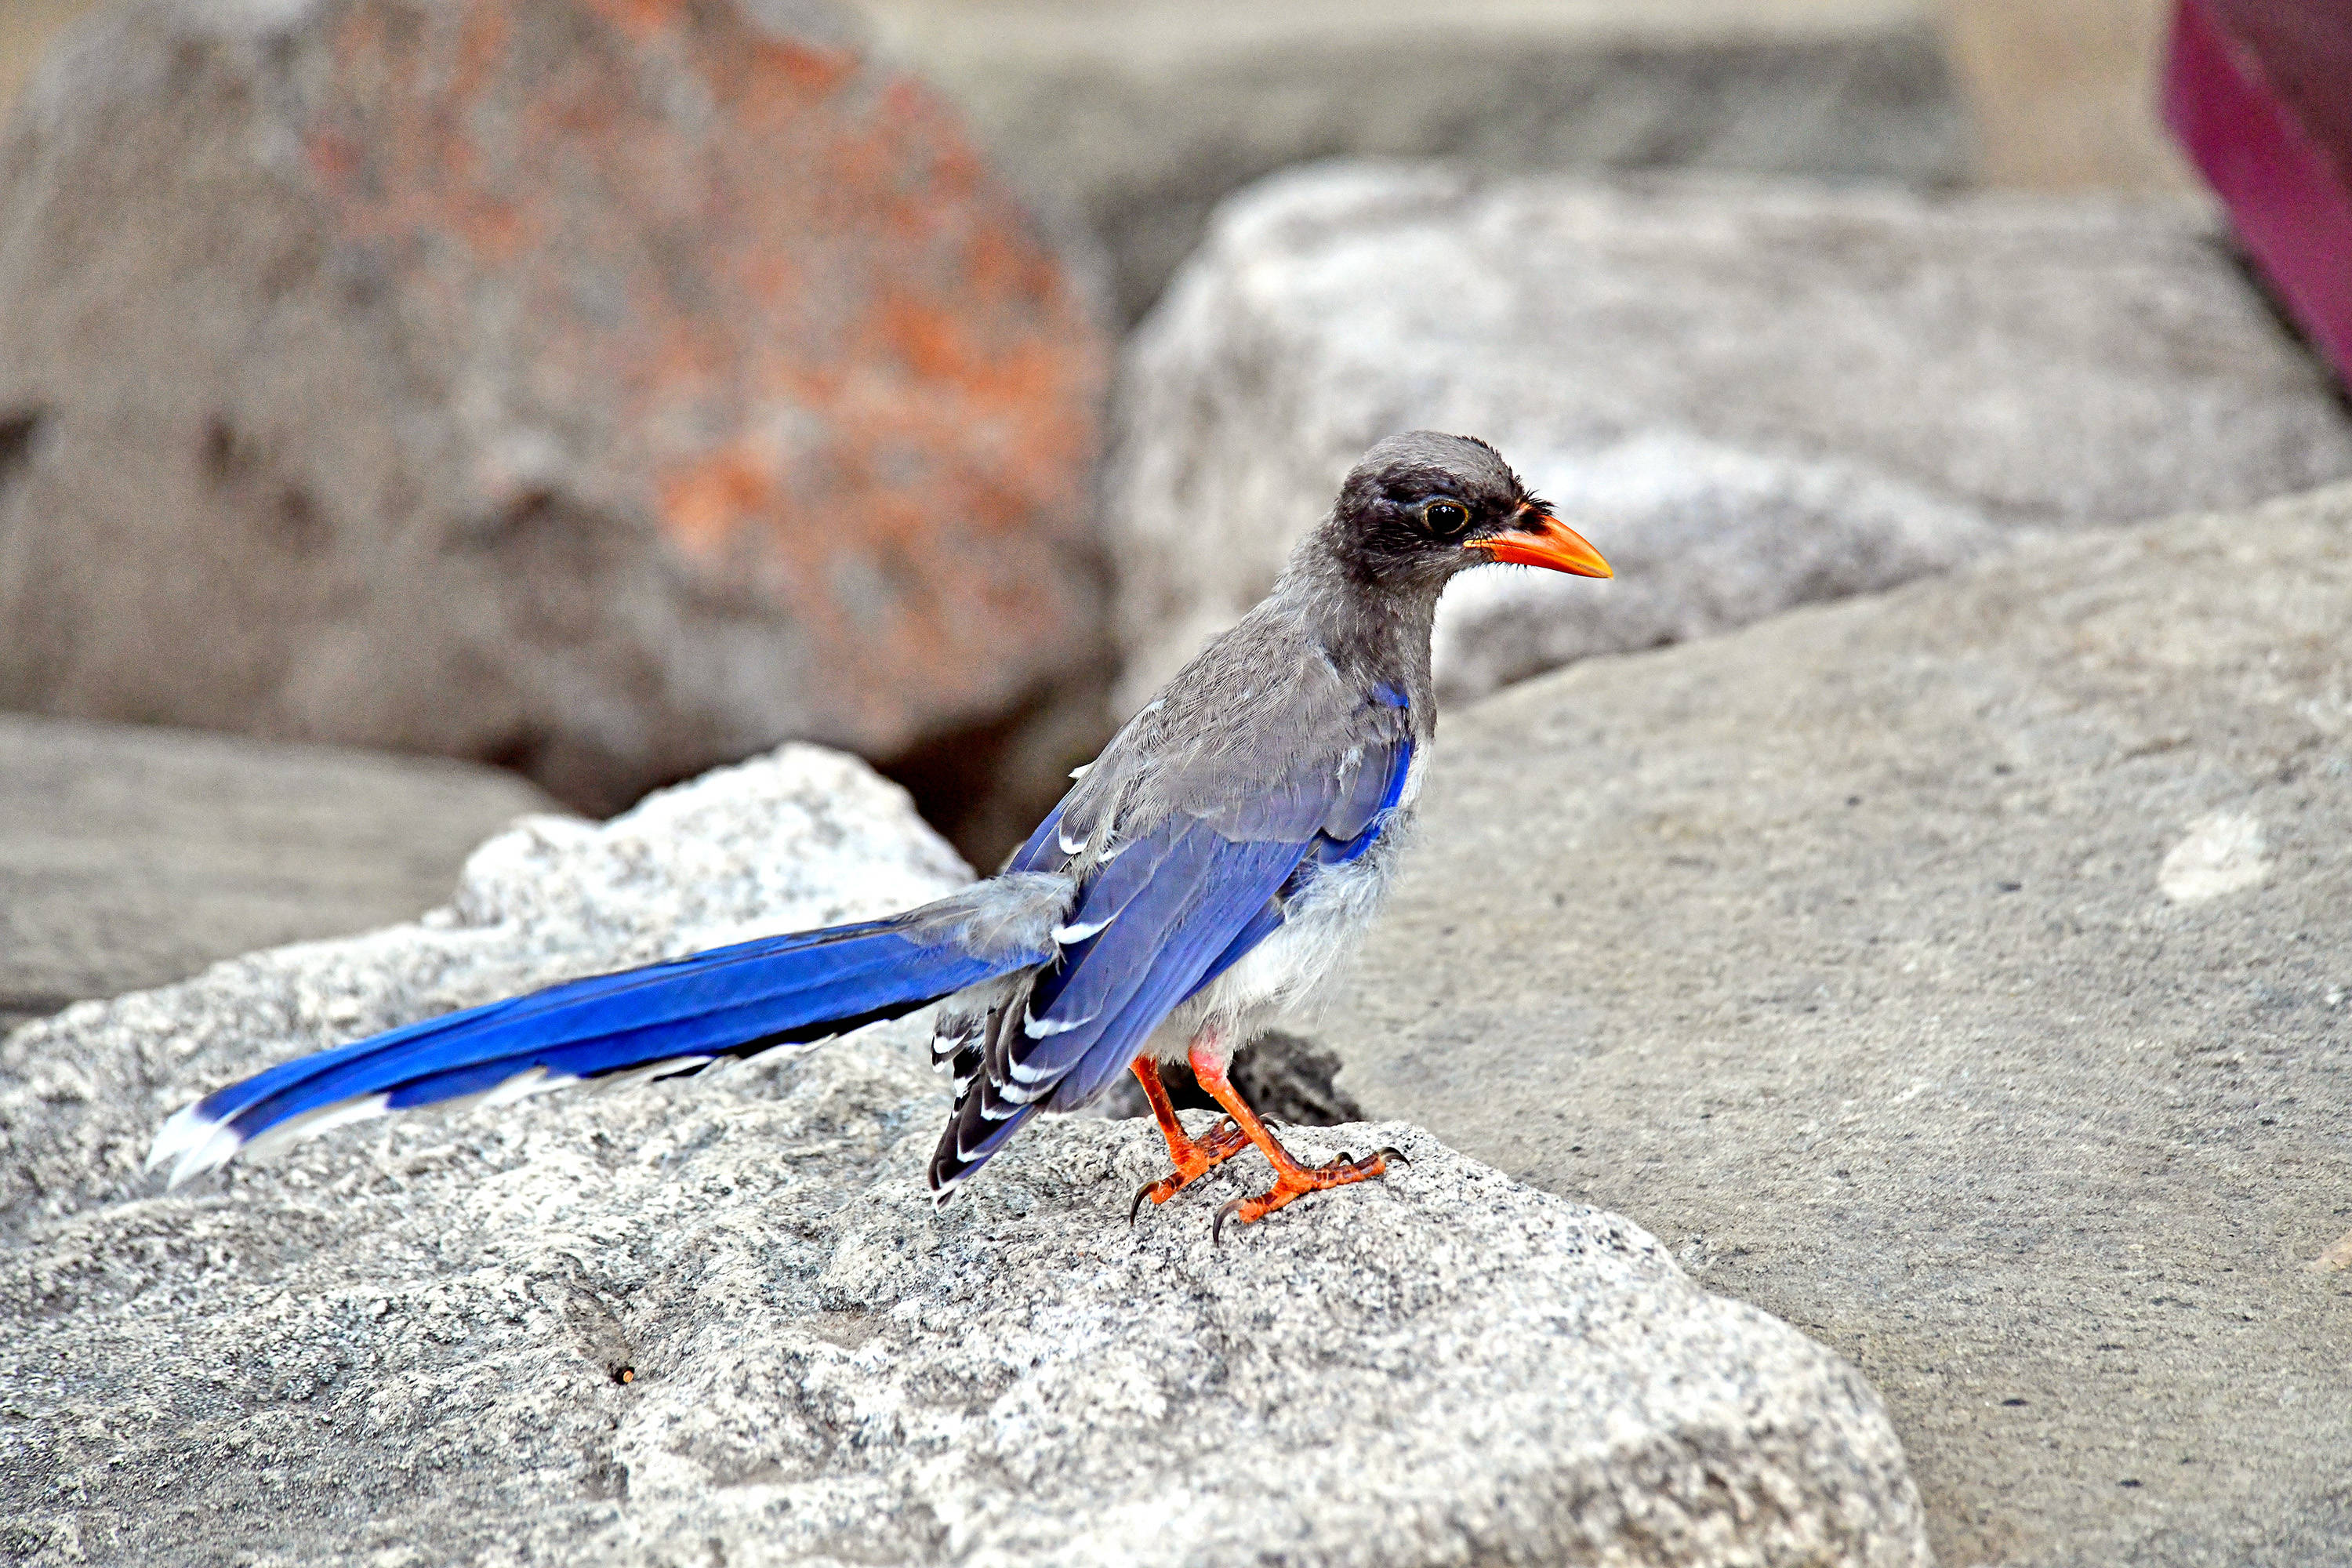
pixel 1291 1179
pixel 1194 1158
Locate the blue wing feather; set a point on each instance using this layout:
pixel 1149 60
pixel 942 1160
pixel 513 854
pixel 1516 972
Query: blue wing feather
pixel 1042 849
pixel 1180 908
pixel 653 993
pixel 1327 850
pixel 1147 961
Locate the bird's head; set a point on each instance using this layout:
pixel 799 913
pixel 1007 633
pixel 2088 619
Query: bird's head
pixel 1423 506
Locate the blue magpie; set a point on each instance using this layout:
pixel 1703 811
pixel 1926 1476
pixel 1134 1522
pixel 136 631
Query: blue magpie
pixel 1204 874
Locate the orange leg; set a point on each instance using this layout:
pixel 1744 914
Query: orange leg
pixel 1194 1158
pixel 1291 1179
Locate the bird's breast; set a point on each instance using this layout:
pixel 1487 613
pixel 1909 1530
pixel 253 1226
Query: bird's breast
pixel 1324 922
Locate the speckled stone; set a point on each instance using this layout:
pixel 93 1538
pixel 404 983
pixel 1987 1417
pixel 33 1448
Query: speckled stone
pixel 719 1318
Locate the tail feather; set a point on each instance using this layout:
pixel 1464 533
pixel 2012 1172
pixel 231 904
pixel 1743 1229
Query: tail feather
pixel 668 1017
pixel 971 1139
pixel 836 984
pixel 620 1000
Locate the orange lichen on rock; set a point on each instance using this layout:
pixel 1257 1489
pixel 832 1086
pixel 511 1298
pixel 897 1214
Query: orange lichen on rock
pixel 807 336
pixel 608 388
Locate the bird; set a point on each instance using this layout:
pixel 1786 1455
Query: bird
pixel 1202 876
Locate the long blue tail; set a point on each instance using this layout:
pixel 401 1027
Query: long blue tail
pixel 665 1019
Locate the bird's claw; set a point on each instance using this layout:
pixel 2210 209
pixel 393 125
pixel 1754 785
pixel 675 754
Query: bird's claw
pixel 1219 1144
pixel 1298 1182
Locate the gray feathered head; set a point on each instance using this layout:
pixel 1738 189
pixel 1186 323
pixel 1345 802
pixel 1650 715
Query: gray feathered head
pixel 1421 506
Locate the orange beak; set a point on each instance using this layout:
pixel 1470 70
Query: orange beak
pixel 1558 547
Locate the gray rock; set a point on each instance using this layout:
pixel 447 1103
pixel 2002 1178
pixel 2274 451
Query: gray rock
pixel 134 855
pixel 1140 114
pixel 719 1319
pixel 1963 975
pixel 604 393
pixel 1749 397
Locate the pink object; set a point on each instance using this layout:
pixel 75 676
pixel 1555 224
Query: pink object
pixel 2259 94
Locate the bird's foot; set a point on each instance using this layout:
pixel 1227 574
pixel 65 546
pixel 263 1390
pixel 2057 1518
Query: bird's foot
pixel 1298 1181
pixel 1194 1158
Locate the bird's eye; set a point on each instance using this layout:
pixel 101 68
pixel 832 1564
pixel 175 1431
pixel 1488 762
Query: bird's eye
pixel 1444 518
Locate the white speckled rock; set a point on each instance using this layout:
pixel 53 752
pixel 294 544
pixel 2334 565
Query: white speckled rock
pixel 405 1342
pixel 1749 397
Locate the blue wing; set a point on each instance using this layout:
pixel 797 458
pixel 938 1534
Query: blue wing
pixel 1335 846
pixel 1086 1018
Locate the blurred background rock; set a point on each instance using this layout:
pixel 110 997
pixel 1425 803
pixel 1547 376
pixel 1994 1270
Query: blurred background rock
pixel 605 391
pixel 2052 94
pixel 1144 113
pixel 132 855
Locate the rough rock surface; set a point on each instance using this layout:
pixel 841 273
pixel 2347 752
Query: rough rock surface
pixel 604 389
pixel 719 1320
pixel 1749 397
pixel 132 855
pixel 1962 974
pixel 1140 114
